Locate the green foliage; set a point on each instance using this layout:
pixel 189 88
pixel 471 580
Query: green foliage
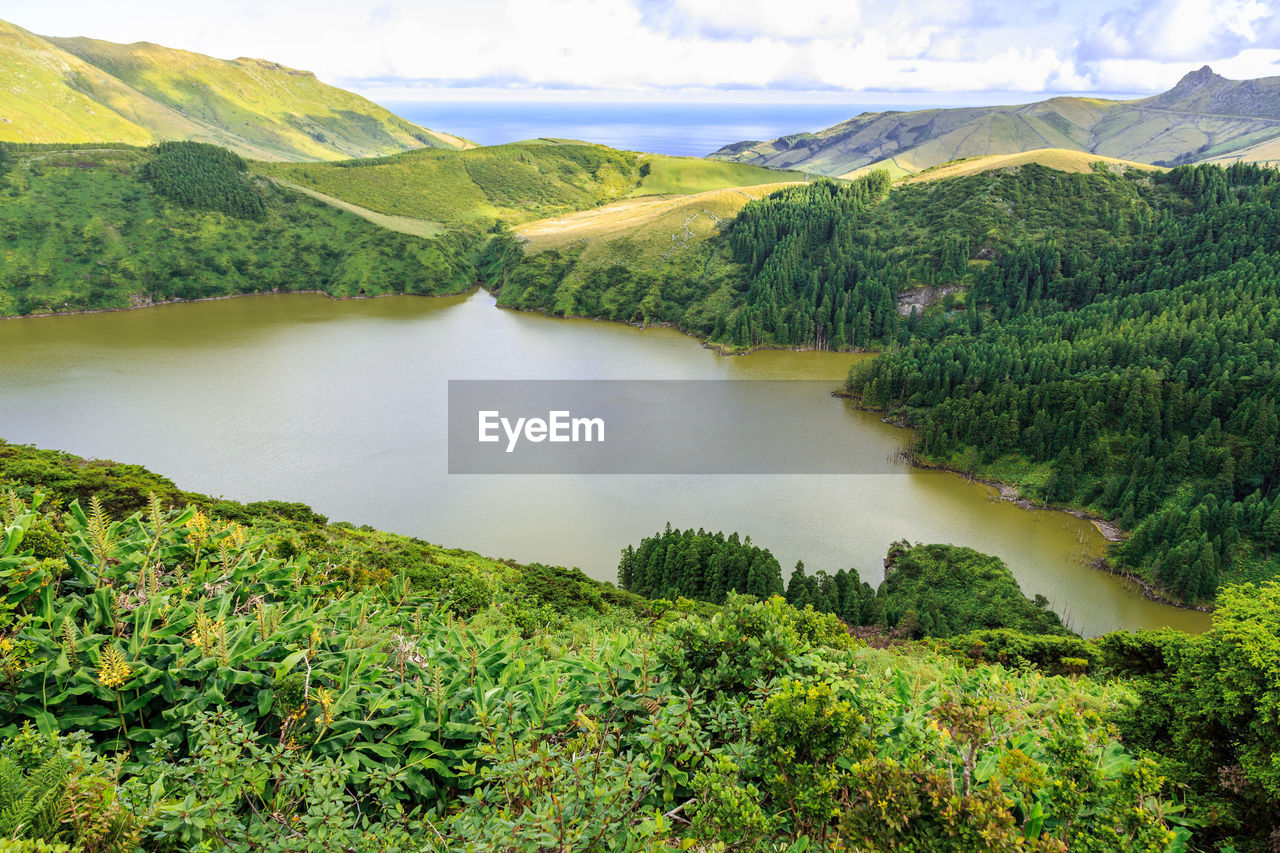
pixel 515 182
pixel 1143 375
pixel 331 698
pixel 796 246
pixel 85 230
pixel 955 590
pixel 204 176
pixel 78 89
pixel 23 846
pixel 1052 653
pixel 1208 708
pixel 31 804
pixel 748 643
pixel 844 594
pixel 700 565
pixel 808 735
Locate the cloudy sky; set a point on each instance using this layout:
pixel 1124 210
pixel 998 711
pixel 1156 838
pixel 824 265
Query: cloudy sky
pixel 696 49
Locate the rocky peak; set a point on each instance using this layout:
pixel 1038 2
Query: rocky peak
pixel 1197 79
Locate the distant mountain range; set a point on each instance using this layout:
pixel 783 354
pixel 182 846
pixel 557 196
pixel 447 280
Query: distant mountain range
pixel 1204 117
pixel 85 90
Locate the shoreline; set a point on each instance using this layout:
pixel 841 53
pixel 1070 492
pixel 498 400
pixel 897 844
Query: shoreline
pixel 1007 492
pixel 157 303
pixel 1010 493
pixel 719 349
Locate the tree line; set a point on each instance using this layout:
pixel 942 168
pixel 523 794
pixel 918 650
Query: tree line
pixel 698 565
pixel 1146 383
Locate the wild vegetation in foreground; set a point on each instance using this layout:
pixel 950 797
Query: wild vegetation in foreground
pixel 181 673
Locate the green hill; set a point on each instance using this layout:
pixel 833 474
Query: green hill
pixel 1204 116
pixel 119 227
pixel 83 90
pixel 518 182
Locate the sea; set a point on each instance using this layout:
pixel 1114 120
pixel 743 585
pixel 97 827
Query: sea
pixel 682 129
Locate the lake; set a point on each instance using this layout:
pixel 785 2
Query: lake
pixel 342 405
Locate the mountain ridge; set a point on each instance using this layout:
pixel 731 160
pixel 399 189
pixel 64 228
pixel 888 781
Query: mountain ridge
pixel 1204 116
pixel 78 89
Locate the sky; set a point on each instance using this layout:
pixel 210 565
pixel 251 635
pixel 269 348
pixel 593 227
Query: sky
pixel 959 51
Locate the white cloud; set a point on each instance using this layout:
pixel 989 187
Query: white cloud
pixel 666 46
pixel 1188 30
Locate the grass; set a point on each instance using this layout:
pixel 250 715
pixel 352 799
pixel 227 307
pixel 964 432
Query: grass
pixel 518 183
pixel 82 90
pixel 1061 159
pixel 642 228
pixel 401 224
pixel 515 183
pixel 686 175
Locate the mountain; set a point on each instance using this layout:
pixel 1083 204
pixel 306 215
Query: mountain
pixel 1205 116
pixel 85 90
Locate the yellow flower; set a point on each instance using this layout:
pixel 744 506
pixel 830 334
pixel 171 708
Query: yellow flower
pixel 326 705
pixel 198 524
pixel 113 669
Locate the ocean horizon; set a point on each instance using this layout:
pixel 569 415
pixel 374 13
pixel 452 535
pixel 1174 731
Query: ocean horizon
pixel 682 129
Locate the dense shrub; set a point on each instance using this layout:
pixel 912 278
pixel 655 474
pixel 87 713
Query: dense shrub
pixel 205 176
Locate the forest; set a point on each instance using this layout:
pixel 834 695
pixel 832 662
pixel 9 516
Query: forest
pixel 96 227
pixel 179 672
pixel 1142 384
pixel 1110 341
pixel 820 266
pixel 928 590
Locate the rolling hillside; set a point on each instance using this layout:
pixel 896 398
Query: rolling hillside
pixel 519 182
pixel 1059 159
pixel 1205 116
pixel 83 90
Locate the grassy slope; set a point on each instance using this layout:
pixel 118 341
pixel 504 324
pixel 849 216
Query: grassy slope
pixel 402 224
pixel 517 183
pixel 686 175
pixel 1061 159
pixel 1203 116
pixel 83 230
pixel 80 90
pixel 53 96
pixel 656 222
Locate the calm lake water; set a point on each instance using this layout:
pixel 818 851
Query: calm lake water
pixel 687 130
pixel 342 405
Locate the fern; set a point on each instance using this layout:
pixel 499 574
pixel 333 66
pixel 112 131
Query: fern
pixel 11 508
pixel 69 637
pixel 102 532
pixel 31 807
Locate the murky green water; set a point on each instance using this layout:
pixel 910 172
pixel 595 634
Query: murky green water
pixel 342 405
